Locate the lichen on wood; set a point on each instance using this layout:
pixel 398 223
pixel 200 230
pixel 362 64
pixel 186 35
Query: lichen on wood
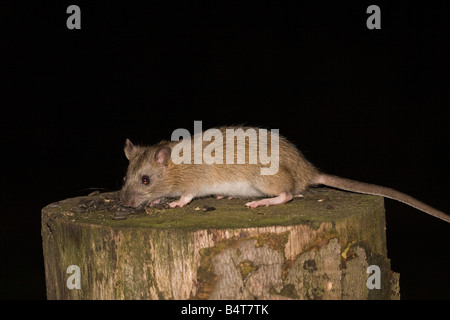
pixel 317 247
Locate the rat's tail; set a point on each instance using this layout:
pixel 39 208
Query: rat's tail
pixel 367 188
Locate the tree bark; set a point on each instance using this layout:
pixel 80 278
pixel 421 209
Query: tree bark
pixel 317 247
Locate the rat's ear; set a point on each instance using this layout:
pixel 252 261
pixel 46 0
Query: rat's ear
pixel 162 156
pixel 129 149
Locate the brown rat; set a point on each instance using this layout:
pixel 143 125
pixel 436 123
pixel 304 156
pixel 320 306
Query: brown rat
pixel 153 175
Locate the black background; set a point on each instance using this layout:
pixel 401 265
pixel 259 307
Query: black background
pixel 370 105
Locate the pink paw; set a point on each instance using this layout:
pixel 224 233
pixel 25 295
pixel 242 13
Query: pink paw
pixel 221 197
pixel 184 200
pixel 256 204
pixel 176 204
pixel 155 201
pixel 282 198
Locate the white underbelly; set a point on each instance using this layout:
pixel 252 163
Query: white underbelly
pixel 234 189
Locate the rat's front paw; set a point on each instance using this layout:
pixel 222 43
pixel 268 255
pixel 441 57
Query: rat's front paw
pixel 184 200
pixel 177 204
pixel 155 201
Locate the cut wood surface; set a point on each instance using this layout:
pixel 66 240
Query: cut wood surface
pixel 316 247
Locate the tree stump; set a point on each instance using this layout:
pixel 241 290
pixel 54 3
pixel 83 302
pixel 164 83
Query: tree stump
pixel 316 247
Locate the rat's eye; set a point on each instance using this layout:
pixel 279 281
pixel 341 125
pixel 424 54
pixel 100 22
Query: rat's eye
pixel 145 179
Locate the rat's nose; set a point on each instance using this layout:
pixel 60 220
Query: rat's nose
pixel 131 199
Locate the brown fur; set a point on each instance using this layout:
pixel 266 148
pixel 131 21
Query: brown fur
pixel 295 174
pixel 177 179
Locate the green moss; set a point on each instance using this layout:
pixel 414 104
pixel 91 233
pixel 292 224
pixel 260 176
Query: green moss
pixel 320 205
pixel 245 268
pixel 274 241
pixel 289 291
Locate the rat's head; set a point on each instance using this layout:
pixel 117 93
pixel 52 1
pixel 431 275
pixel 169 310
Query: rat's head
pixel 144 174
